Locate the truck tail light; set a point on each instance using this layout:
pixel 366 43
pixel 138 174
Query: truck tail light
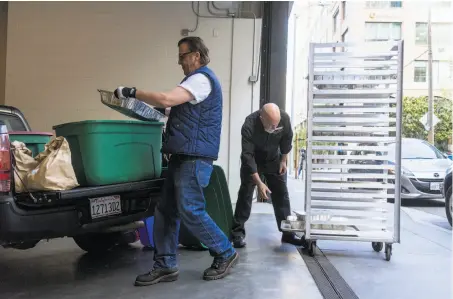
pixel 5 160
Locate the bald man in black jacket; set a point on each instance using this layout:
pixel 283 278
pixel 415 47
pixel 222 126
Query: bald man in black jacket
pixel 266 141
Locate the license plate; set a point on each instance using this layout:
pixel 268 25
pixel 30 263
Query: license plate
pixel 105 206
pixel 435 186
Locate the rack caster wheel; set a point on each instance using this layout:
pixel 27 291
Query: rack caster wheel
pixel 304 242
pixel 311 248
pixel 388 252
pixel 377 246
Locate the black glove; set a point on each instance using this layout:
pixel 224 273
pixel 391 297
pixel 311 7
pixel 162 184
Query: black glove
pixel 125 92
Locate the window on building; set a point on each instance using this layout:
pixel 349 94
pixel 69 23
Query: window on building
pixel 335 21
pixel 396 3
pixel 440 33
pixel 420 71
pixel 383 4
pixel 421 33
pixel 380 31
pixel 441 71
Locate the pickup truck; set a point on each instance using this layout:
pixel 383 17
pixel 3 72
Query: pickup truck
pixel 26 218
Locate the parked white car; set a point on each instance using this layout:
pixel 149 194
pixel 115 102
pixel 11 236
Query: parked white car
pixel 423 168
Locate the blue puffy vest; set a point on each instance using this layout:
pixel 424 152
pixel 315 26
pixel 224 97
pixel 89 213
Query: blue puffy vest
pixel 195 129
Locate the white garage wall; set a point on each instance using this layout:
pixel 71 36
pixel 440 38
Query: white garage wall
pixel 60 53
pixel 241 103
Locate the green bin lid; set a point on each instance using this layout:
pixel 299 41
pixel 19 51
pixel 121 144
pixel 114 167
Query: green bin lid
pixel 119 122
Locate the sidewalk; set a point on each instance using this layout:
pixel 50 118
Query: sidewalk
pixel 420 266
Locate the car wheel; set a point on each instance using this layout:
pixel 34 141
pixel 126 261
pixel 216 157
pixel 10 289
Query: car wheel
pixel 449 205
pixel 97 242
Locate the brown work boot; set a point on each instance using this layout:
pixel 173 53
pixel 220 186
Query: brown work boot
pixel 220 269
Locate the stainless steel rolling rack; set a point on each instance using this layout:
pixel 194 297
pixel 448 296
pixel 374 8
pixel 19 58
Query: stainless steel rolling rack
pixel 354 145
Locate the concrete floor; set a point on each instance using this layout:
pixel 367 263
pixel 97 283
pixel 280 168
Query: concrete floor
pixel 420 266
pixel 59 269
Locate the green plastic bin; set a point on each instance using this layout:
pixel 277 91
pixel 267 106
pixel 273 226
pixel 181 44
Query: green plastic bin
pixel 218 207
pixel 106 152
pixel 35 141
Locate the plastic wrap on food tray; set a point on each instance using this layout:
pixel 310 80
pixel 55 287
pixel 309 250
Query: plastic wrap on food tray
pixel 131 107
pixel 297 223
pixel 292 223
pixel 326 226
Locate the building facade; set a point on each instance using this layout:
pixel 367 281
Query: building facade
pixel 361 21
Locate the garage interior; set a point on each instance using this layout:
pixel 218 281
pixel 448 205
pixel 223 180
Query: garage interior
pixel 57 54
pixel 53 58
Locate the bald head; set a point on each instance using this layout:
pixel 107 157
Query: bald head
pixel 270 116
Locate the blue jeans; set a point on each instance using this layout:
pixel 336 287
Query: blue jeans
pixel 183 200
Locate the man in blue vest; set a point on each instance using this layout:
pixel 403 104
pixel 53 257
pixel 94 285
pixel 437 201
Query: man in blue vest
pixel 192 139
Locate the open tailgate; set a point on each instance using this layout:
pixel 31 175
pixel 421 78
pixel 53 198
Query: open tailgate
pixel 69 197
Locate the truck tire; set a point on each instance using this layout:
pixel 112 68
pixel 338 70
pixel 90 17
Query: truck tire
pixel 448 204
pixel 97 242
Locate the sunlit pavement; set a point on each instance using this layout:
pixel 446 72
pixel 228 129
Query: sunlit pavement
pixel 420 266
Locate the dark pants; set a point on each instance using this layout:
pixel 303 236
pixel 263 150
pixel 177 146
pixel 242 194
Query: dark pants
pixel 280 200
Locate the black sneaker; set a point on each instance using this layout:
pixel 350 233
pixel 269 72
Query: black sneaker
pixel 219 270
pixel 239 242
pixel 156 276
pixel 291 238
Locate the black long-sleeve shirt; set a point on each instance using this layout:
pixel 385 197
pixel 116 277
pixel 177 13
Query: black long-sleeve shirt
pixel 262 151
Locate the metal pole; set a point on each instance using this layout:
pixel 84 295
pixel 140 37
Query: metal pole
pixel 309 142
pixel 399 115
pixel 295 152
pixel 293 87
pixel 430 81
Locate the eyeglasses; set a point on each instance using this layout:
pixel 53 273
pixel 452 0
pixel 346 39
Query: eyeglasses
pixel 274 131
pixel 269 126
pixel 183 55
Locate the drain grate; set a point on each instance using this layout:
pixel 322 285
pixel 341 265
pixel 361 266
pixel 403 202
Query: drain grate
pixel 327 278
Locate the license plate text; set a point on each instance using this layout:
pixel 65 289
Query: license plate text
pixel 105 206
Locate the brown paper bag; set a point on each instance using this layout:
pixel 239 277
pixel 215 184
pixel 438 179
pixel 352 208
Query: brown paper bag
pixel 25 163
pixel 54 170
